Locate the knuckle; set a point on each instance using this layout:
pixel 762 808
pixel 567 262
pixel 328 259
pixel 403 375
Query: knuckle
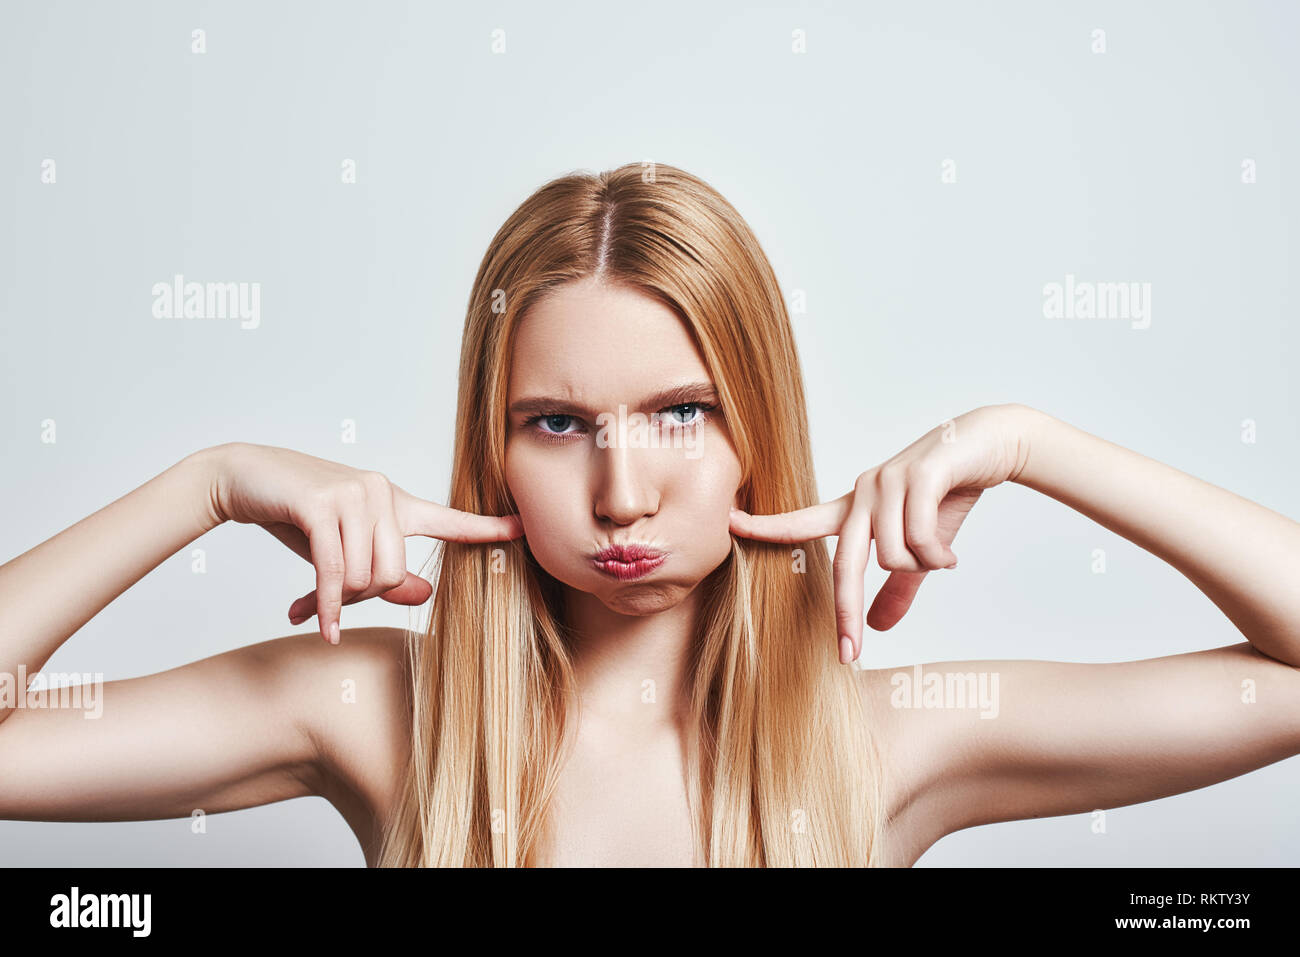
pixel 892 556
pixel 350 490
pixel 376 483
pixel 893 473
pixel 912 532
pixel 922 550
pixel 926 552
pixel 320 502
pixel 916 469
pixel 330 568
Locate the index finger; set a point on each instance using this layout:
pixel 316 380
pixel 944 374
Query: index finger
pixel 416 516
pixel 801 525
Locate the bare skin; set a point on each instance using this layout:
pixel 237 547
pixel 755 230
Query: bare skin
pixel 265 723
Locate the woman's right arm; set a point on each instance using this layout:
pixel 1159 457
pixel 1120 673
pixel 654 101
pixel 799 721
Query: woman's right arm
pixel 47 594
pixel 258 724
pixel 213 735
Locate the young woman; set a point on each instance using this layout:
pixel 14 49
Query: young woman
pixel 637 642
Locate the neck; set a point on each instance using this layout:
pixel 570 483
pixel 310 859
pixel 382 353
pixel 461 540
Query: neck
pixel 633 670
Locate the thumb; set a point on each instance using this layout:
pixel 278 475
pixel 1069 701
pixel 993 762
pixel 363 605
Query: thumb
pixel 413 591
pixel 894 599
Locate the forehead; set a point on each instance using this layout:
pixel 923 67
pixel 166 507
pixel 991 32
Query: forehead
pixel 589 340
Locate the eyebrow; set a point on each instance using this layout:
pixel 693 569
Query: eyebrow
pixel 687 394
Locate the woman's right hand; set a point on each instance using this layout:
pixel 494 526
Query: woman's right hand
pixel 349 523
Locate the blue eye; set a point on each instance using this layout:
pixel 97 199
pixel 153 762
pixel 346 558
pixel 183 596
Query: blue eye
pixel 687 405
pixel 553 420
pixel 550 420
pixel 558 421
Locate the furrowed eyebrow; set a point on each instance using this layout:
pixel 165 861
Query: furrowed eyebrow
pixel 702 392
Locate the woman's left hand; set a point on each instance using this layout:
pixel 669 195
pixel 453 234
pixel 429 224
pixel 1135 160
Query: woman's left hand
pixel 912 506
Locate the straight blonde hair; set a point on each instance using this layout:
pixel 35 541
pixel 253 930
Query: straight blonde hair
pixel 782 768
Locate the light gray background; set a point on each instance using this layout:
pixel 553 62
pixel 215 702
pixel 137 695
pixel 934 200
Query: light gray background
pixel 924 298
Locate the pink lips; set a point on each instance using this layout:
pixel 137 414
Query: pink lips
pixel 628 562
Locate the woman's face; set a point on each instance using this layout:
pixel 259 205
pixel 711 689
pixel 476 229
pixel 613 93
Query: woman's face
pixel 586 476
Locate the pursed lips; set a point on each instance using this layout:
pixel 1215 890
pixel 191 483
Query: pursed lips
pixel 627 562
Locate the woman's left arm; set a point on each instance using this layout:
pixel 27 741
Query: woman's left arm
pixel 1243 556
pixel 1005 740
pixel 1070 737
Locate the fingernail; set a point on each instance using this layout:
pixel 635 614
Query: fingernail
pixel 334 633
pixel 846 649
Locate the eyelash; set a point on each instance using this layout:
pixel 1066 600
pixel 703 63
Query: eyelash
pixel 705 408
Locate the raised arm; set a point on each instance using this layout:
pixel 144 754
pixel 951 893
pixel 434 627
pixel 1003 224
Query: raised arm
pixel 258 724
pixel 251 726
pixel 48 593
pixel 1243 556
pixel 1062 737
pixel 230 731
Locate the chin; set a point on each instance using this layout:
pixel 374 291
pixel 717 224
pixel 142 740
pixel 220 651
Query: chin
pixel 647 596
pixel 638 599
pixel 651 596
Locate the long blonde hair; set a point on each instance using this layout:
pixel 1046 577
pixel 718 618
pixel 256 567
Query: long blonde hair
pixel 782 769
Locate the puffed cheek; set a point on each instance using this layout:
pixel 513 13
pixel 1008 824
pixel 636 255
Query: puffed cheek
pixel 542 527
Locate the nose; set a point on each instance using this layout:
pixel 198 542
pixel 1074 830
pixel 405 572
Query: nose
pixel 626 488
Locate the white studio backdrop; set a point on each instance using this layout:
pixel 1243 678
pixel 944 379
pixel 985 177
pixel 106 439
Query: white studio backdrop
pixel 918 173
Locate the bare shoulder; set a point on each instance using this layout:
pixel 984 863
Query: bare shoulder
pixel 909 753
pixel 966 743
pixel 284 718
pixel 357 709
